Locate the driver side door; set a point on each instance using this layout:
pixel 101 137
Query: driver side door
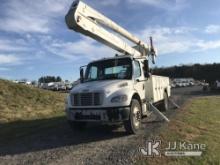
pixel 138 78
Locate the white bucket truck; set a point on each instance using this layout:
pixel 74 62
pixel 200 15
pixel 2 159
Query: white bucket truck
pixel 117 89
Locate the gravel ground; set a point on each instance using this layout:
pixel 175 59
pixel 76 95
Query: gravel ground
pixel 98 144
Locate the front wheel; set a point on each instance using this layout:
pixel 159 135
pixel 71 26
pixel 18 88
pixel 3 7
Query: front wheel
pixel 133 125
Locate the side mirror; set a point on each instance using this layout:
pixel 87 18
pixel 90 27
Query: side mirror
pixel 146 69
pixel 81 75
pixel 147 74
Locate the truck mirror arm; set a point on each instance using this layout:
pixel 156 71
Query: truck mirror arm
pixel 138 80
pixel 147 74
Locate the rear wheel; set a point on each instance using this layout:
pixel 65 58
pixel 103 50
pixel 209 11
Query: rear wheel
pixel 165 103
pixel 77 125
pixel 133 125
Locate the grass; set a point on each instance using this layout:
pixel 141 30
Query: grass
pixel 27 110
pixel 197 122
pixel 21 102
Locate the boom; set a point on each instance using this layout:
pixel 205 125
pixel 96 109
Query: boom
pixel 88 21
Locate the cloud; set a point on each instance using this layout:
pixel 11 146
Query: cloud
pixel 4 69
pixel 25 16
pixel 16 45
pixel 31 16
pixel 207 45
pixel 84 48
pixel 18 50
pixel 156 3
pixel 172 5
pixel 103 2
pixel 212 29
pixel 110 3
pixel 9 59
pixel 168 40
pixel 177 40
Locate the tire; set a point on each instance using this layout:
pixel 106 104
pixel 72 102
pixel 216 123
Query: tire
pixel 165 103
pixel 77 126
pixel 205 88
pixel 133 125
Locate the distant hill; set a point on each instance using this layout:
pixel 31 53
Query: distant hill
pixel 21 102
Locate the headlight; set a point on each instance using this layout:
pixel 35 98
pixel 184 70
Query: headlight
pixel 119 99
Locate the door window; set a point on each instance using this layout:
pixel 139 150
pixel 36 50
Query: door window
pixel 93 73
pixel 137 69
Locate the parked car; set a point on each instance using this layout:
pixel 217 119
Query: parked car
pixel 173 85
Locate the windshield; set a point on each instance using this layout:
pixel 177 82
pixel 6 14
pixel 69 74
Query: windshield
pixel 109 69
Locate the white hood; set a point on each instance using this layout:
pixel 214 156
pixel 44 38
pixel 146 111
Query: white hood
pixel 104 85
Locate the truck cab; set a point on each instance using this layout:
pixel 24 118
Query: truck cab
pixel 112 90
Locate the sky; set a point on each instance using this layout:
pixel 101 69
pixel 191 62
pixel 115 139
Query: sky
pixel 35 41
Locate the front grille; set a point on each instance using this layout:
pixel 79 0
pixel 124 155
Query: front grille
pixel 86 99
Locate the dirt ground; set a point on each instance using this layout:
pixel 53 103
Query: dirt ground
pixel 98 144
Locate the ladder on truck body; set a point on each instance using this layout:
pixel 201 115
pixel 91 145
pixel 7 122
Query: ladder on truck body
pixel 84 19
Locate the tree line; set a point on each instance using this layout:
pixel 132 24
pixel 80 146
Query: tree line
pixel 208 72
pixel 48 79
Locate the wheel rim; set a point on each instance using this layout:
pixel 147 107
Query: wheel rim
pixel 136 117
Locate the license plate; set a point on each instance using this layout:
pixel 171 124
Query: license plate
pixel 85 112
pixel 88 115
